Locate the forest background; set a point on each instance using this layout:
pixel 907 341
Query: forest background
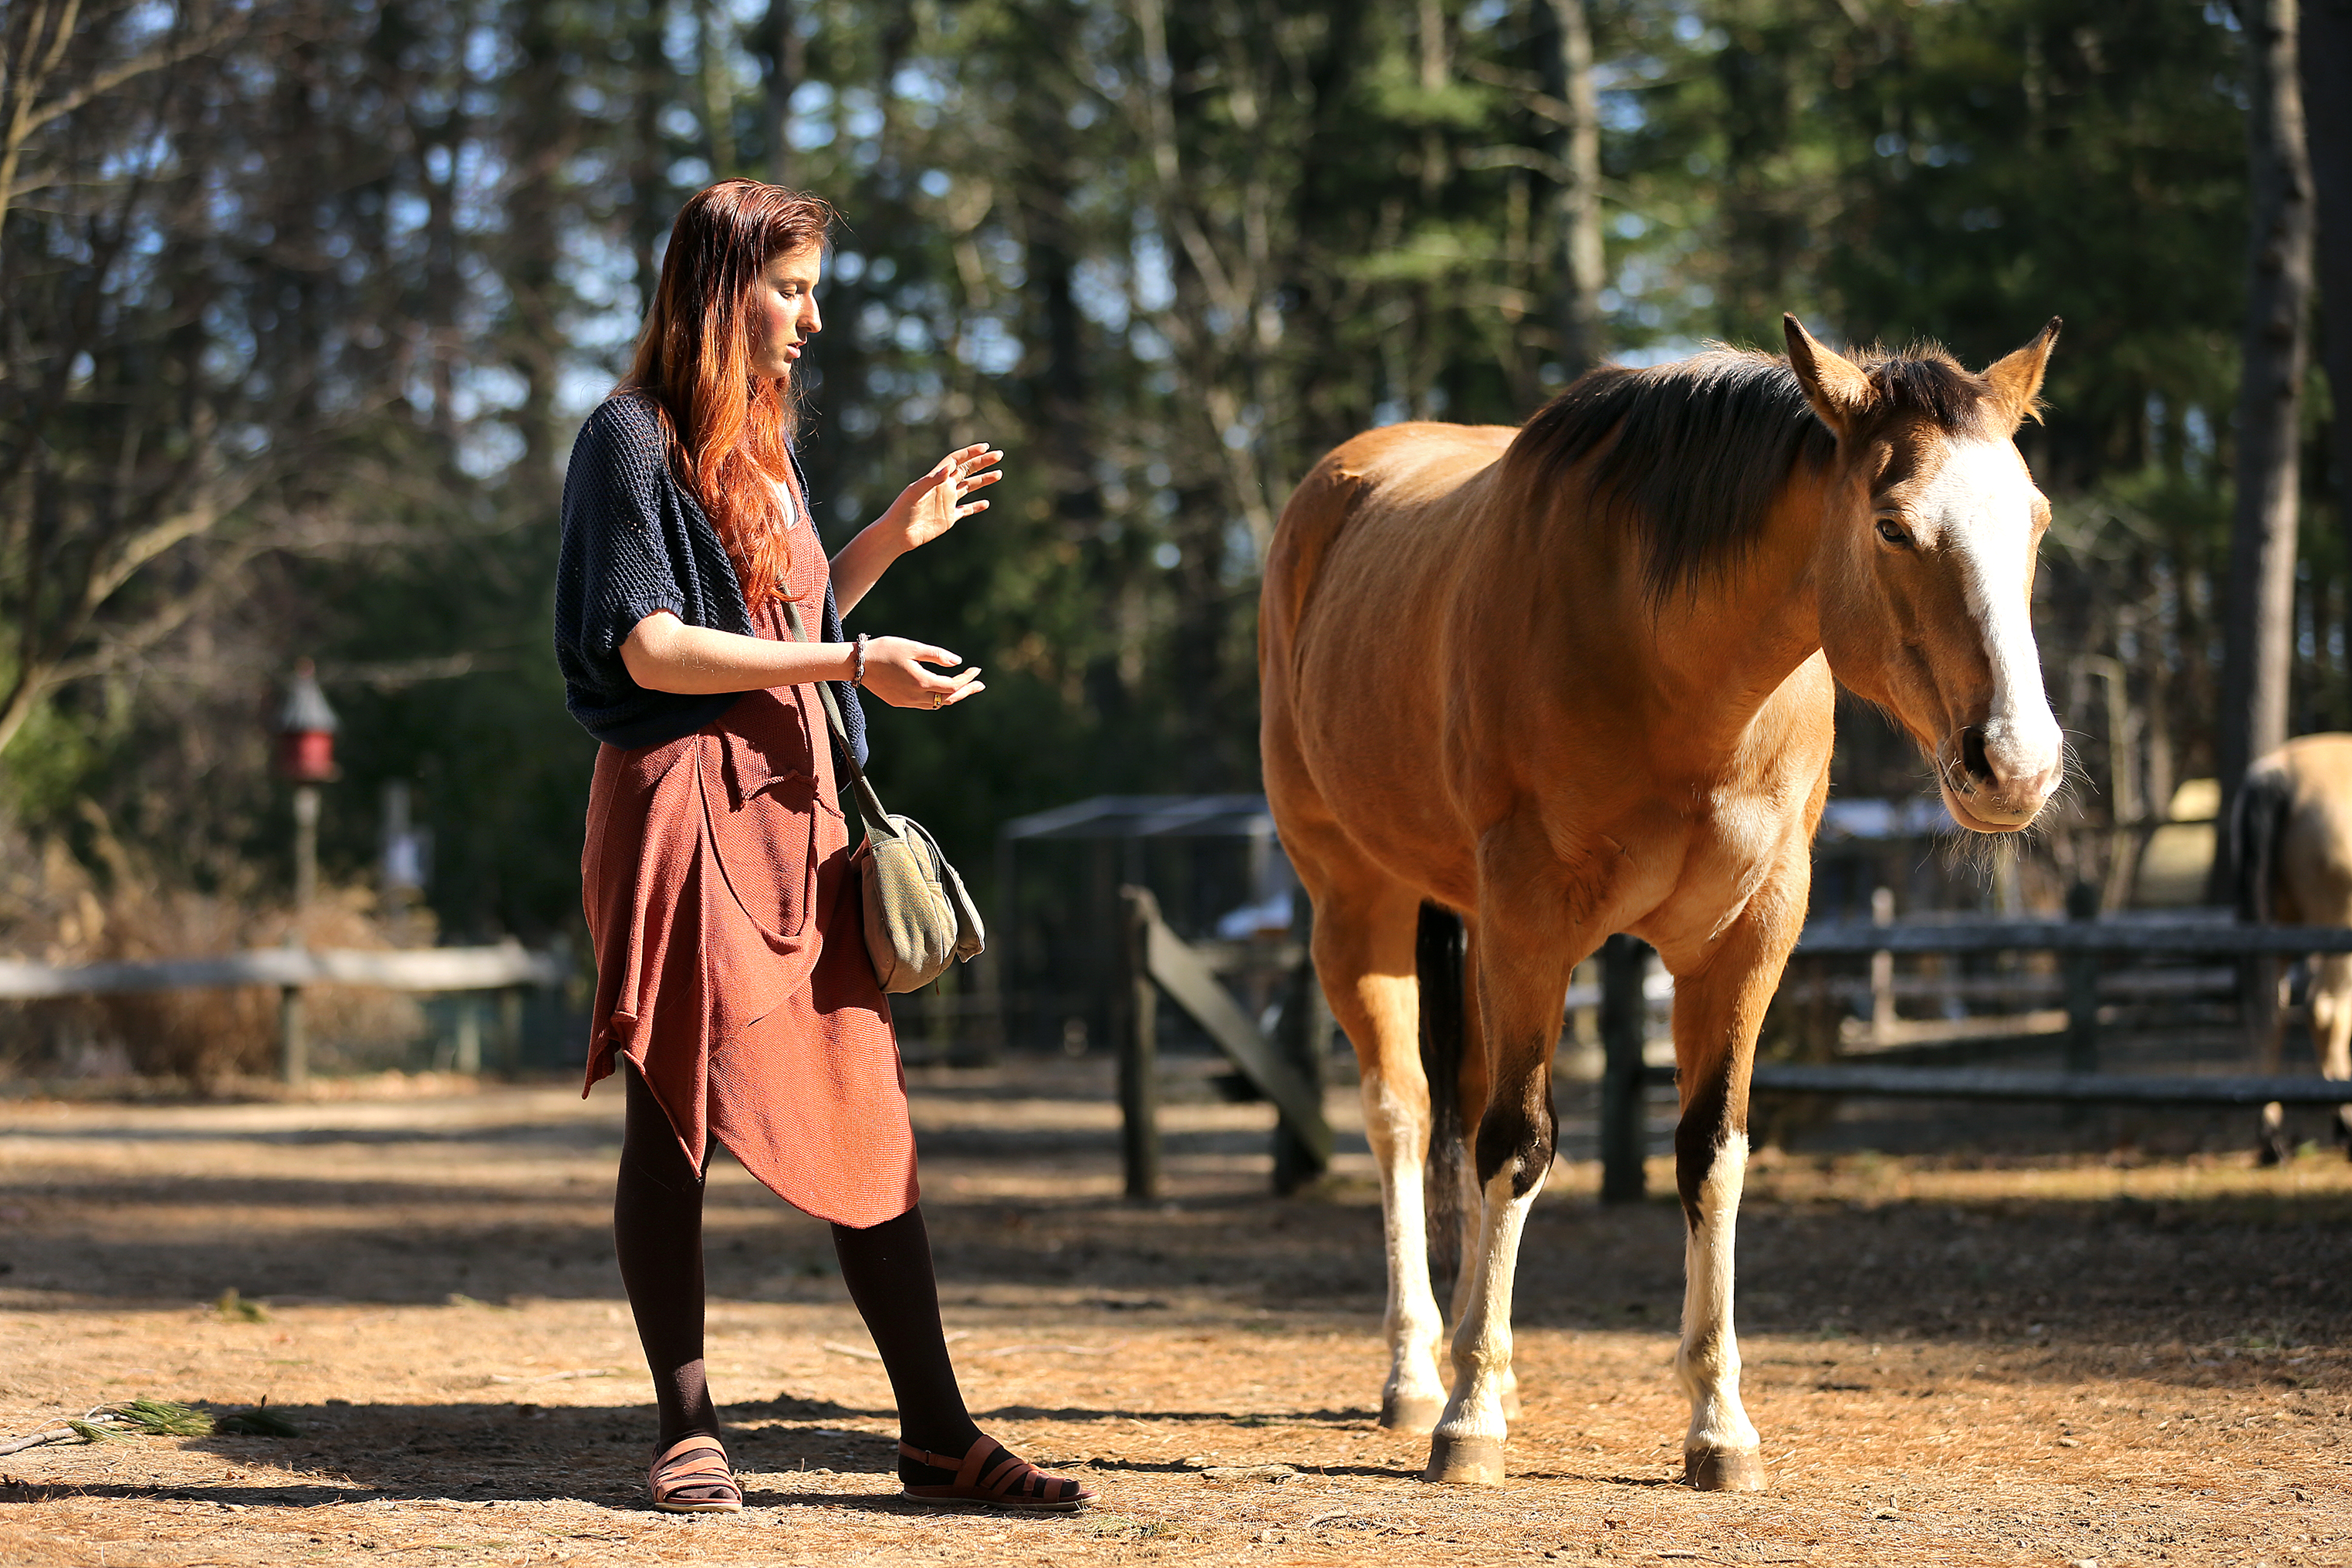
pixel 302 300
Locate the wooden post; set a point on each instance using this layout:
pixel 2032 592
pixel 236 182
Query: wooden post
pixel 1625 1117
pixel 1304 1042
pixel 2082 1054
pixel 1882 972
pixel 306 845
pixel 293 1038
pixel 511 1030
pixel 1139 1046
pixel 293 1035
pixel 468 1055
pixel 2083 987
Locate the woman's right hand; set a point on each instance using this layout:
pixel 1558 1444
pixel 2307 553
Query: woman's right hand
pixel 894 673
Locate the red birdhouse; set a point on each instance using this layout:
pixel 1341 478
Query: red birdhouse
pixel 306 729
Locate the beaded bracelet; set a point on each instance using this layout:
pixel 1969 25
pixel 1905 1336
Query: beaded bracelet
pixel 857 662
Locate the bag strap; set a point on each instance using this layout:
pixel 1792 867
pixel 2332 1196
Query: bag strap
pixel 869 804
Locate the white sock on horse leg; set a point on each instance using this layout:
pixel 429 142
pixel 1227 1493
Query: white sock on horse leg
pixel 1482 1340
pixel 1708 1362
pixel 1414 1396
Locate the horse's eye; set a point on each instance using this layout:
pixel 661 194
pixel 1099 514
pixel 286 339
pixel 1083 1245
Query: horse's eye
pixel 1892 531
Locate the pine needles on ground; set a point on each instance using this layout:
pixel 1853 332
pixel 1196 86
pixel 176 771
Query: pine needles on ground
pixel 144 1417
pixel 162 1418
pixel 140 1418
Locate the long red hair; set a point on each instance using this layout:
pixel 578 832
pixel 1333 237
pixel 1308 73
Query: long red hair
pixel 730 430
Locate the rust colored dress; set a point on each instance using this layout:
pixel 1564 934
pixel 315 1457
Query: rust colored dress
pixel 730 953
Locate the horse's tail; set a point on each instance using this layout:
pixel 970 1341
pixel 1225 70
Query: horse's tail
pixel 1438 954
pixel 2257 821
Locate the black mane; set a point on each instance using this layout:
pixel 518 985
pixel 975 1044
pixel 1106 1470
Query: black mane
pixel 1690 455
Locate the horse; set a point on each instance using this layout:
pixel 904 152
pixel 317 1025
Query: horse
pixel 1536 686
pixel 2290 845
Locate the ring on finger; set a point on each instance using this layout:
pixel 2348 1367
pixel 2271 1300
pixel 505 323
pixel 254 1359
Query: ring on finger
pixel 939 699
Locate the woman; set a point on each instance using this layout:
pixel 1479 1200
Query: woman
pixel 732 982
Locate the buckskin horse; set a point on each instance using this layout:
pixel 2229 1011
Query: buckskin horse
pixel 1577 679
pixel 2291 843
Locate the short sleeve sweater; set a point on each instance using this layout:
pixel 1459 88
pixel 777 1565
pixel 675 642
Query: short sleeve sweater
pixel 635 540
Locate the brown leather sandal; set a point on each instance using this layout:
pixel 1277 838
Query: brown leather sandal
pixel 993 1476
pixel 691 1476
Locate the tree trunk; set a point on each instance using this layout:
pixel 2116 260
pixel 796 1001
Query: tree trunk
pixel 2258 635
pixel 782 66
pixel 649 194
pixel 2326 46
pixel 1756 72
pixel 716 99
pixel 1576 203
pixel 538 137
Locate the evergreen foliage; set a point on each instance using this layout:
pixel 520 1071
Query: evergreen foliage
pixel 358 269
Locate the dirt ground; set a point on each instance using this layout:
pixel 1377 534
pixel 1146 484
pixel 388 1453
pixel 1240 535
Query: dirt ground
pixel 2040 1356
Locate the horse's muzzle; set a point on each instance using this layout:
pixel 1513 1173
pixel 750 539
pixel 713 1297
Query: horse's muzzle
pixel 1990 788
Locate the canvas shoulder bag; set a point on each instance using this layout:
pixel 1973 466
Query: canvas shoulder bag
pixel 918 918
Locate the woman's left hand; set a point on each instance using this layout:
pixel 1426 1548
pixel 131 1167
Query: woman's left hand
pixel 935 503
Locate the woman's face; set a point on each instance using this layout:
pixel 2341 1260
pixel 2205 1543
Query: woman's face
pixel 783 314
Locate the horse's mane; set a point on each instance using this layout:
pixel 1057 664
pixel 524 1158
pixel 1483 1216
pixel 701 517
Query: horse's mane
pixel 1688 455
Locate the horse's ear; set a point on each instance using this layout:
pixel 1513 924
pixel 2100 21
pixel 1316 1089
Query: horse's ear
pixel 1836 387
pixel 2017 380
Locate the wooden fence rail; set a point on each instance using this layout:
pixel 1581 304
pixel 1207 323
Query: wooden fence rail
pixel 405 969
pixel 1287 1071
pixel 504 968
pixel 2082 939
pixel 1995 1084
pixel 1853 939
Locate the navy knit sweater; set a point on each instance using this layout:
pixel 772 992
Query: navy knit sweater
pixel 635 540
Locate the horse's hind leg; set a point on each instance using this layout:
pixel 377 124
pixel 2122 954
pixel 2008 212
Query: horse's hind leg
pixel 1364 956
pixel 2263 981
pixel 2331 1029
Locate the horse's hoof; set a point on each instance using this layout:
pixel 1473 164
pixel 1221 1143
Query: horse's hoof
pixel 1464 1461
pixel 2271 1152
pixel 1412 1414
pixel 1724 1469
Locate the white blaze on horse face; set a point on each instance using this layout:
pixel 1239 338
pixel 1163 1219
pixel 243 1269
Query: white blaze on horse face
pixel 1708 1362
pixel 1980 508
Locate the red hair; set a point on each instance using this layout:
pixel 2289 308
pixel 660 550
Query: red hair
pixel 730 431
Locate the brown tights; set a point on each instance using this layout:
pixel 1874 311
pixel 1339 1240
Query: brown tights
pixel 657 1233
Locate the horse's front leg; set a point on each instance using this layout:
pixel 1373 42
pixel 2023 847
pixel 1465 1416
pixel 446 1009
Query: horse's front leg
pixel 1719 1005
pixel 1527 947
